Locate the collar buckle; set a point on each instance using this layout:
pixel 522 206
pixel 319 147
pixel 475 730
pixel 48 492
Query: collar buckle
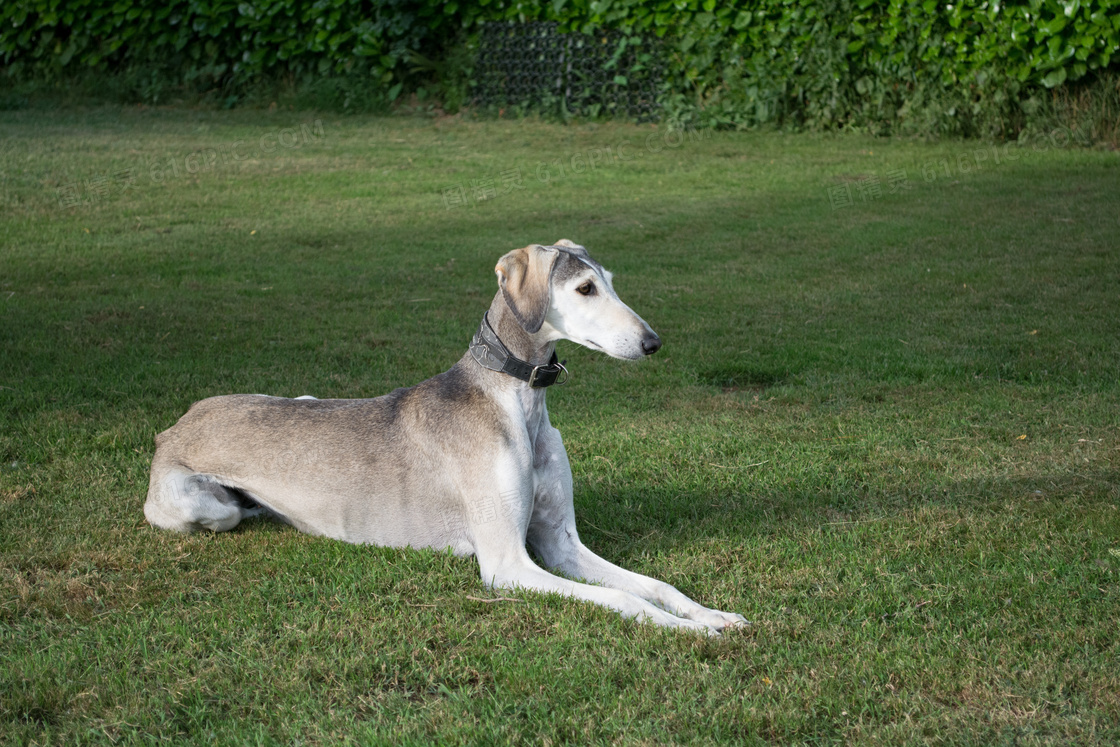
pixel 533 376
pixel 553 369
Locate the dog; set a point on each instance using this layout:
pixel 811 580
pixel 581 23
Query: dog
pixel 466 460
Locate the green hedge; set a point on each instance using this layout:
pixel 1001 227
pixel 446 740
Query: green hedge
pixel 219 41
pixel 886 65
pixel 966 68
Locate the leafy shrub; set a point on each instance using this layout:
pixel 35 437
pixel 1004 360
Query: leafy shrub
pixel 968 67
pixel 223 43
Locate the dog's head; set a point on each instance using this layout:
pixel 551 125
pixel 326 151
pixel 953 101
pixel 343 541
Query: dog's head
pixel 561 293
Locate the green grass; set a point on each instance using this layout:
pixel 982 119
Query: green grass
pixel 886 433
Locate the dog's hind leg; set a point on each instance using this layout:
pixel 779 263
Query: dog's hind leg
pixel 185 501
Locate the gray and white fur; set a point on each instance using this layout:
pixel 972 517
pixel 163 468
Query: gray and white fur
pixel 466 460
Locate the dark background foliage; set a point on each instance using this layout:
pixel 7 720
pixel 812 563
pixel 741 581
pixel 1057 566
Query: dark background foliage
pixel 887 66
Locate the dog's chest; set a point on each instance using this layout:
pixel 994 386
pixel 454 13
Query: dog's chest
pixel 531 402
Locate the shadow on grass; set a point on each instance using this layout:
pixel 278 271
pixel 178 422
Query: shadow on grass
pixel 675 522
pixel 732 378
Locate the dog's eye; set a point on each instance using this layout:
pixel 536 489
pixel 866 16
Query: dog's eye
pixel 586 289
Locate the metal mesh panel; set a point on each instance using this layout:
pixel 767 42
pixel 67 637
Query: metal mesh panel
pixel 533 65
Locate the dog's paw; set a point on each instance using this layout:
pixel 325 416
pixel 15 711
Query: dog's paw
pixel 728 620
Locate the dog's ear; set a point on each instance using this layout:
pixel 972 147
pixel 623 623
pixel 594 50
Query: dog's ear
pixel 525 275
pixel 577 250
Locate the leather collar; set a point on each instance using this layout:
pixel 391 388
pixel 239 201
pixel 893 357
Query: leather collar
pixel 489 352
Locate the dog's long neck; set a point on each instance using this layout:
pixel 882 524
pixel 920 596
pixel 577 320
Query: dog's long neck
pixel 517 341
pixel 523 345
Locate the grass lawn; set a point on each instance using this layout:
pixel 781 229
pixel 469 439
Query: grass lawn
pixel 885 427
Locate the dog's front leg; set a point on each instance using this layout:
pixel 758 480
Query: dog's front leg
pixel 498 539
pixel 552 535
pixel 505 570
pixel 579 562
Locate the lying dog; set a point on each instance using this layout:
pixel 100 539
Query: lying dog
pixel 466 460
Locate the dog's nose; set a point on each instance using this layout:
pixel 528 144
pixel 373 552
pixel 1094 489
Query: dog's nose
pixel 651 343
